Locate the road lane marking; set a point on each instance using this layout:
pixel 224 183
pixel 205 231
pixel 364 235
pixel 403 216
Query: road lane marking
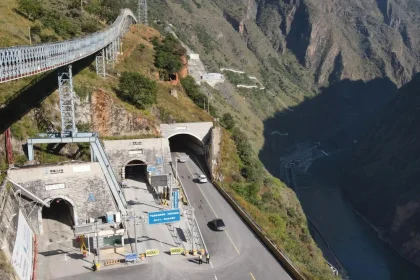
pixel 252 276
pixel 202 193
pixel 215 277
pixel 213 211
pixel 232 242
pixel 211 265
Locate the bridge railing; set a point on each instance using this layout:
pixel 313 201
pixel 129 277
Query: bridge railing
pixel 22 61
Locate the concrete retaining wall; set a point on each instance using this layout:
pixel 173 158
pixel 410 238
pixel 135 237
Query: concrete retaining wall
pixel 280 256
pixel 74 182
pixel 200 130
pixel 155 152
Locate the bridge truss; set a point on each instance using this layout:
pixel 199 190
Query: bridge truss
pixel 24 61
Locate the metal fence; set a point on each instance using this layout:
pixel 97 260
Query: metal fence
pixel 22 61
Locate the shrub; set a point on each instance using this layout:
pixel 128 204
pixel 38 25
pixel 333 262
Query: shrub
pixel 33 9
pixel 227 121
pixel 137 89
pixel 168 55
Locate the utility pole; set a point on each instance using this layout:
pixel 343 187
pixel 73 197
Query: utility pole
pixel 135 230
pixel 98 250
pixel 145 20
pixel 139 4
pixel 81 5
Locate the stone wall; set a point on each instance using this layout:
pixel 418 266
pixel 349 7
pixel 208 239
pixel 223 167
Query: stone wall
pixel 74 182
pixel 155 152
pixel 213 150
pixel 200 130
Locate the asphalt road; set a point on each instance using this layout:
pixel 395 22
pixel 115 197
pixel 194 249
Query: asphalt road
pixel 236 253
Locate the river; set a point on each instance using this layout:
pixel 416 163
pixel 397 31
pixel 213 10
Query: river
pixel 354 242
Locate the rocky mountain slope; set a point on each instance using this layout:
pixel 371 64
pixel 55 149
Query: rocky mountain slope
pixel 346 39
pixel 382 179
pixel 335 40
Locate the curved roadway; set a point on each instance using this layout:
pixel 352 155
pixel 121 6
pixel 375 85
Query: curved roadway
pixel 235 253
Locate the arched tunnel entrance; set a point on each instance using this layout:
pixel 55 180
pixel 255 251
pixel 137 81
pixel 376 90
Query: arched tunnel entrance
pixel 186 146
pixel 186 143
pixel 136 170
pixel 60 210
pixel 58 220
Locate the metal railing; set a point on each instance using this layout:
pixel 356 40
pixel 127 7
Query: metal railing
pixel 22 61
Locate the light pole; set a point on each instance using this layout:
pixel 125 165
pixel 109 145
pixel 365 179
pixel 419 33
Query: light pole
pixel 135 230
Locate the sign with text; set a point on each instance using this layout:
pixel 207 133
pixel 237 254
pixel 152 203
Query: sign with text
pixel 22 258
pixel 163 217
pixel 175 198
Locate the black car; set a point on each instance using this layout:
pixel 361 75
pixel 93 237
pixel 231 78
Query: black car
pixel 219 224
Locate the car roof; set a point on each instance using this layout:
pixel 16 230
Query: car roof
pixel 202 176
pixel 219 222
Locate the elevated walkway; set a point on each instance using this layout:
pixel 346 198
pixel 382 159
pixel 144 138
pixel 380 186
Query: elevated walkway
pixel 97 154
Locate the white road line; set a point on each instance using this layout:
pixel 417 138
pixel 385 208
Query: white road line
pixel 213 211
pixel 232 242
pixel 161 245
pixel 215 277
pixel 211 265
pixel 202 193
pixel 252 276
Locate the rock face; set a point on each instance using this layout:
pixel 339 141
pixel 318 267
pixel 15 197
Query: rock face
pixel 109 117
pixel 342 39
pixel 382 180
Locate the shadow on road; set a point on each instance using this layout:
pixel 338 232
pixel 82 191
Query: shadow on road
pixel 31 96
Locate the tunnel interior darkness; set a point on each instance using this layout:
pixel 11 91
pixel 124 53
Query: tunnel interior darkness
pixel 185 143
pixel 136 170
pixel 60 210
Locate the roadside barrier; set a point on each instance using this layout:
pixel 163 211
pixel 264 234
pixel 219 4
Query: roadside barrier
pixel 177 251
pixel 281 257
pixel 187 252
pixel 194 252
pixel 111 262
pixel 142 257
pixel 202 251
pixel 152 252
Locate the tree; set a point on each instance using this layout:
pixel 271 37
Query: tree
pixel 137 89
pixel 168 55
pixel 227 121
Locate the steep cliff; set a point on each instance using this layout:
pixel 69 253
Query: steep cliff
pixel 346 39
pixel 382 179
pixel 335 40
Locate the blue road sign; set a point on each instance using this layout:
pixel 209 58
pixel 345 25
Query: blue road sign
pixel 91 198
pixel 151 168
pixel 131 257
pixel 163 217
pixel 175 197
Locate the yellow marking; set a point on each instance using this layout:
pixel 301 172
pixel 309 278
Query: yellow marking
pixel 232 242
pixel 252 276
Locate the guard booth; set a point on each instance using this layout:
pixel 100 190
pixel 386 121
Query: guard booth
pixel 160 185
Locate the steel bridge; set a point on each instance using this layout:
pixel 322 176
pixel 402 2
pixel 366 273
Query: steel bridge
pixel 23 61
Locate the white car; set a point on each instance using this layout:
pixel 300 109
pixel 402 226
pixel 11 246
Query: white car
pixel 202 178
pixel 182 159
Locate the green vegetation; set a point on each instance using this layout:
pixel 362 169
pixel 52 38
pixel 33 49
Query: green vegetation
pixel 168 56
pixel 137 89
pixel 272 205
pixel 227 121
pixel 238 78
pixel 6 269
pixel 193 91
